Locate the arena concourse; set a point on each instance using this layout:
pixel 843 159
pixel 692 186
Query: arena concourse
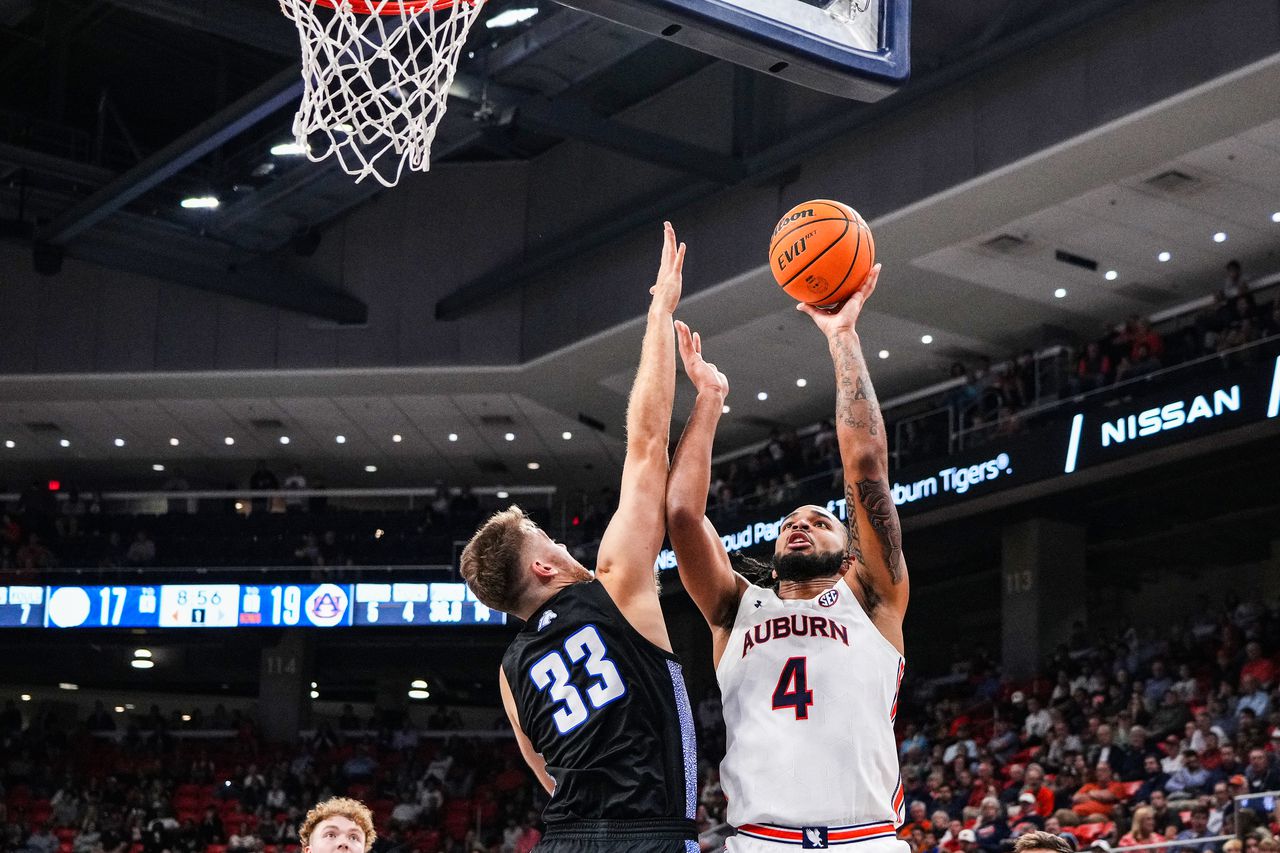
pixel 251 411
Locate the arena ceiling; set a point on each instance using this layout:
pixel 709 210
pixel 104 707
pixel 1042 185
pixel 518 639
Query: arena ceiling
pixel 566 76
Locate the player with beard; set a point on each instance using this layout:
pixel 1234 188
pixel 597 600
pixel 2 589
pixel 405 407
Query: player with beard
pixel 809 670
pixel 594 694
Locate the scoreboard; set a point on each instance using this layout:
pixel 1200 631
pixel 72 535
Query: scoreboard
pixel 232 605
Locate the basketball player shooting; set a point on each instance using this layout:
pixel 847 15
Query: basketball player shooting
pixel 595 696
pixel 809 671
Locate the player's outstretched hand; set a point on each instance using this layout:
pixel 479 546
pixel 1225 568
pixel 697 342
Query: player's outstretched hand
pixel 843 318
pixel 703 374
pixel 666 290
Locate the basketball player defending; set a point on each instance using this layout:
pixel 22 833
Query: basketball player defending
pixel 595 696
pixel 809 672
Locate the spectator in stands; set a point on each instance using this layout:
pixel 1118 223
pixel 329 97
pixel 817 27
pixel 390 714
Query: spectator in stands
pixel 34 555
pixel 209 830
pixel 296 481
pixel 1263 772
pixel 1038 721
pixel 991 828
pixel 1260 668
pixel 142 551
pixel 1100 796
pixel 1142 830
pixel 1198 829
pixel 262 480
pixel 1191 781
pixel 42 840
pixel 1234 285
pixel 1093 370
pixel 1221 808
pixel 1105 751
pixel 100 720
pixel 917 819
pixel 1252 697
pixel 1167 820
pixel 88 840
pixel 1142 362
pixel 1034 785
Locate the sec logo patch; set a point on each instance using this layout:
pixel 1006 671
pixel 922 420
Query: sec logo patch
pixel 829 597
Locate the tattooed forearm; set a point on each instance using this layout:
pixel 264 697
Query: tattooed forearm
pixel 855 541
pixel 883 517
pixel 852 387
pixel 861 393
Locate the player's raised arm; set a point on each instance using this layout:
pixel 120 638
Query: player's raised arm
pixel 875 536
pixel 705 570
pixel 634 536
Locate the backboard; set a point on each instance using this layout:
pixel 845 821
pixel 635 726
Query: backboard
pixel 857 49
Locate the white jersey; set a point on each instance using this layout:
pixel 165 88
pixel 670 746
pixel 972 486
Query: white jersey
pixel 810 692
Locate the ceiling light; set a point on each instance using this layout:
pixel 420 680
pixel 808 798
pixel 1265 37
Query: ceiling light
pixel 186 718
pixel 884 353
pixel 1111 275
pixel 239 505
pixel 314 685
pixel 25 697
pixel 453 436
pixel 200 202
pixel 340 439
pixel 1060 292
pixel 533 466
pixel 724 410
pixel 288 149
pixel 419 694
pixel 228 441
pixel 119 442
pixel 503 495
pixel 397 438
pixel 511 436
pixel 1220 237
pixel 510 17
pixel 8 442
pixel 762 396
pixel 1275 217
pixel 1164 257
pixel 173 442
pixel 129 706
pixel 315 694
pixel 343 127
pixel 142 653
pixel 926 339
pixel 566 435
pixel 119 709
pixel 800 383
pixel 419 684
pixel 157 467
pixel 142 663
pixel 64 442
pixel 284 439
pixel 67 685
pixel 371 469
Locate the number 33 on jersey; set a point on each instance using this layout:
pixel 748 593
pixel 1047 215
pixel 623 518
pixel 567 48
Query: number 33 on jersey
pixel 551 674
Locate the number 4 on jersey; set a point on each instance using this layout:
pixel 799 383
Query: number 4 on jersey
pixel 793 689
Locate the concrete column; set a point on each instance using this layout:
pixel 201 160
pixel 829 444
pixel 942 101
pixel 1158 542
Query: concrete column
pixel 284 687
pixel 1042 590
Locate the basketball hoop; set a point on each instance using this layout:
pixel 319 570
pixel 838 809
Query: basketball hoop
pixel 376 77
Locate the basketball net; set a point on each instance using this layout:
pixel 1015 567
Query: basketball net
pixel 376 77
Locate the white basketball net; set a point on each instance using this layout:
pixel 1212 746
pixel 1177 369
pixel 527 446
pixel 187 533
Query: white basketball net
pixel 376 84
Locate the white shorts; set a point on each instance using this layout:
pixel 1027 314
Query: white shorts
pixel 745 844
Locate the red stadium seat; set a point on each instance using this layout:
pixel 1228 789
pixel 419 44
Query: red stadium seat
pixel 1089 832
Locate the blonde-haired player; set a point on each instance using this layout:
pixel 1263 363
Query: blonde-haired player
pixel 338 825
pixel 809 672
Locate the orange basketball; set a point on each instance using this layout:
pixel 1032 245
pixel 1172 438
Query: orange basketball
pixel 821 251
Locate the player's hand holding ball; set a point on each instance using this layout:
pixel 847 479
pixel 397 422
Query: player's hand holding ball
pixel 821 252
pixel 843 318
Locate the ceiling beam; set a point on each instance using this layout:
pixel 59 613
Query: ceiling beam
pixel 261 27
pixel 281 90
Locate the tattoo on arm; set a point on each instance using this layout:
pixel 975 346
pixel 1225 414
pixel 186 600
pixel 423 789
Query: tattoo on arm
pixel 855 541
pixel 861 393
pixel 878 503
pixel 852 388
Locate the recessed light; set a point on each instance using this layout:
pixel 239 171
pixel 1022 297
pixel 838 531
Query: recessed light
pixel 566 435
pixel 503 495
pixel 884 353
pixel 1060 292
pixel 315 694
pixel 284 439
pixel 25 697
pixel 228 441
pixel 119 442
pixel 157 467
pixel 64 442
pixel 453 436
pixel 1275 217
pixel 200 202
pixel 314 685
pixel 119 709
pixel 142 663
pixel 762 396
pixel 371 469
pixel 1220 237
pixel 288 149
pixel 340 439
pixel 511 436
pixel 186 718
pixel 142 653
pixel 1164 257
pixel 724 410
pixel 173 442
pixel 8 442
pixel 800 383
pixel 533 466
pixel 239 505
pixel 926 339
pixel 68 685
pixel 510 17
pixel 419 694
pixel 1111 275
pixel 397 438
pixel 418 684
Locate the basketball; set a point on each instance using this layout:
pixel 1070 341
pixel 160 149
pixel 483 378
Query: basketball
pixel 821 251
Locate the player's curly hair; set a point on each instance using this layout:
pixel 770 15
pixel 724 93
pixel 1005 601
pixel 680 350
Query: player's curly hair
pixel 491 561
pixel 353 810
